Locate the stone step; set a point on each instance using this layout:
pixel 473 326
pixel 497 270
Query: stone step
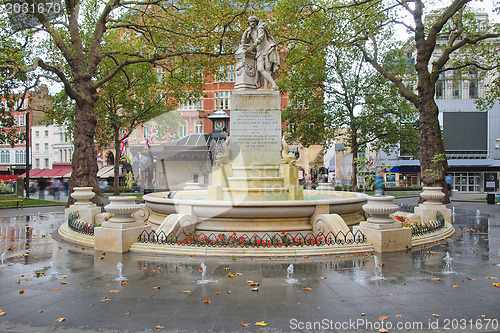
pixel 256 170
pixel 255 182
pixel 255 194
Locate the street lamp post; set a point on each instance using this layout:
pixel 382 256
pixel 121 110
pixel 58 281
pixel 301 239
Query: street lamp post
pixel 27 139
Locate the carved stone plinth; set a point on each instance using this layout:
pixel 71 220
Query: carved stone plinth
pixel 432 204
pixel 380 229
pixel 87 210
pixel 246 69
pixel 117 234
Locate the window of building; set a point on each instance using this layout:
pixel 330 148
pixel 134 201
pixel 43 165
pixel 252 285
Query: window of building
pixel 47 164
pixel 37 134
pixel 46 148
pixel 20 121
pixel 222 100
pixel 473 82
pixel 37 147
pixel 183 130
pixel 441 86
pixel 20 156
pixel 37 163
pixel 466 181
pixel 198 127
pixel 4 156
pixel 46 133
pixel 192 105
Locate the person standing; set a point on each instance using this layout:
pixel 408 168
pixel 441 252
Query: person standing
pixel 56 186
pixel 42 185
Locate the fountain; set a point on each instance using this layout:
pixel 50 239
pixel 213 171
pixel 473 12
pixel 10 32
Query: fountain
pixel 255 187
pixel 2 257
pixel 289 273
pixel 203 272
pixel 447 268
pixel 378 270
pixel 53 271
pixel 120 277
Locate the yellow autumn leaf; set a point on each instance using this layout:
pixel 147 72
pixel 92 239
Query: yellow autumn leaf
pixel 492 278
pixel 159 327
pixel 2 313
pixel 435 315
pixel 245 324
pixel 496 285
pixel 114 291
pixel 186 291
pixel 207 301
pixel 21 291
pixel 61 319
pixel 383 318
pixel 261 323
pixel 157 287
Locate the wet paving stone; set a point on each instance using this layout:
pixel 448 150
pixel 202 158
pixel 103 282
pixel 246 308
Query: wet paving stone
pixel 412 289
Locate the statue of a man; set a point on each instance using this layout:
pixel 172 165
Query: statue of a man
pixel 267 57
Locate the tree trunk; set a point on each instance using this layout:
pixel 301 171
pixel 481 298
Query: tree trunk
pixel 354 177
pixel 84 163
pixel 433 164
pixel 116 182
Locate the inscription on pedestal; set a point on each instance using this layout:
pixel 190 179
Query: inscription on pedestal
pixel 256 129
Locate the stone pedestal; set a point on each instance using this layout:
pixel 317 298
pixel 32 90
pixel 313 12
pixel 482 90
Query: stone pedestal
pixel 117 234
pixel 380 229
pixel 246 69
pixel 86 209
pixel 432 204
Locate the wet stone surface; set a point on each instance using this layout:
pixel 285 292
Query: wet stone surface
pixel 44 279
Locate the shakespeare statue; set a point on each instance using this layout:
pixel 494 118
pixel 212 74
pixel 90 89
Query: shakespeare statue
pixel 257 58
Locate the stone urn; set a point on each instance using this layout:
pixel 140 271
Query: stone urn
pixel 379 209
pixel 82 195
pixel 122 208
pixel 432 195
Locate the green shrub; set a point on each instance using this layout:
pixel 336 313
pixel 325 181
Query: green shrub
pixel 6 189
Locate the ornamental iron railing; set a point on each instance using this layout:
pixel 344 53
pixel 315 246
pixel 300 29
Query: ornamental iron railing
pixel 254 241
pixel 79 225
pixel 406 208
pixel 419 229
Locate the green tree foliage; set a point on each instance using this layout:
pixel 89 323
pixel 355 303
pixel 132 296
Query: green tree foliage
pixel 91 42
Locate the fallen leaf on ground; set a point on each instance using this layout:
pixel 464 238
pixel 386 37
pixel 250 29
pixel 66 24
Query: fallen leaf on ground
pixel 383 318
pixel 159 327
pixel 104 299
pixel 323 277
pixel 398 316
pixel 254 284
pixel 496 285
pixel 229 291
pixel 157 287
pixel 63 282
pixel 363 314
pixel 41 311
pixel 261 323
pixel 123 282
pixel 27 279
pixel 308 288
pixel 239 274
pixel 244 323
pixel 143 268
pixel 21 291
pixel 207 301
pixel 435 279
pixel 128 313
pixel 186 291
pixel 217 293
pixel 254 289
pixel 114 291
pixel 55 289
pixel 383 330
pixel 2 313
pixel 482 316
pixel 435 315
pixel 231 275
pixel 61 319
pixel 455 285
pixel 492 278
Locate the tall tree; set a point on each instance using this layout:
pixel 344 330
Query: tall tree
pixel 357 107
pixel 438 38
pixel 179 32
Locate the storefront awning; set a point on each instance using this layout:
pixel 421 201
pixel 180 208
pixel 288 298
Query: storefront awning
pixel 107 171
pixel 48 173
pixel 9 177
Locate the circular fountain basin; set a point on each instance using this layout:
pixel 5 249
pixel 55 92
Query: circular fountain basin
pixel 256 216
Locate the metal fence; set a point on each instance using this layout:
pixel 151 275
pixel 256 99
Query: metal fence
pixel 79 225
pixel 426 228
pixel 254 241
pixel 406 208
